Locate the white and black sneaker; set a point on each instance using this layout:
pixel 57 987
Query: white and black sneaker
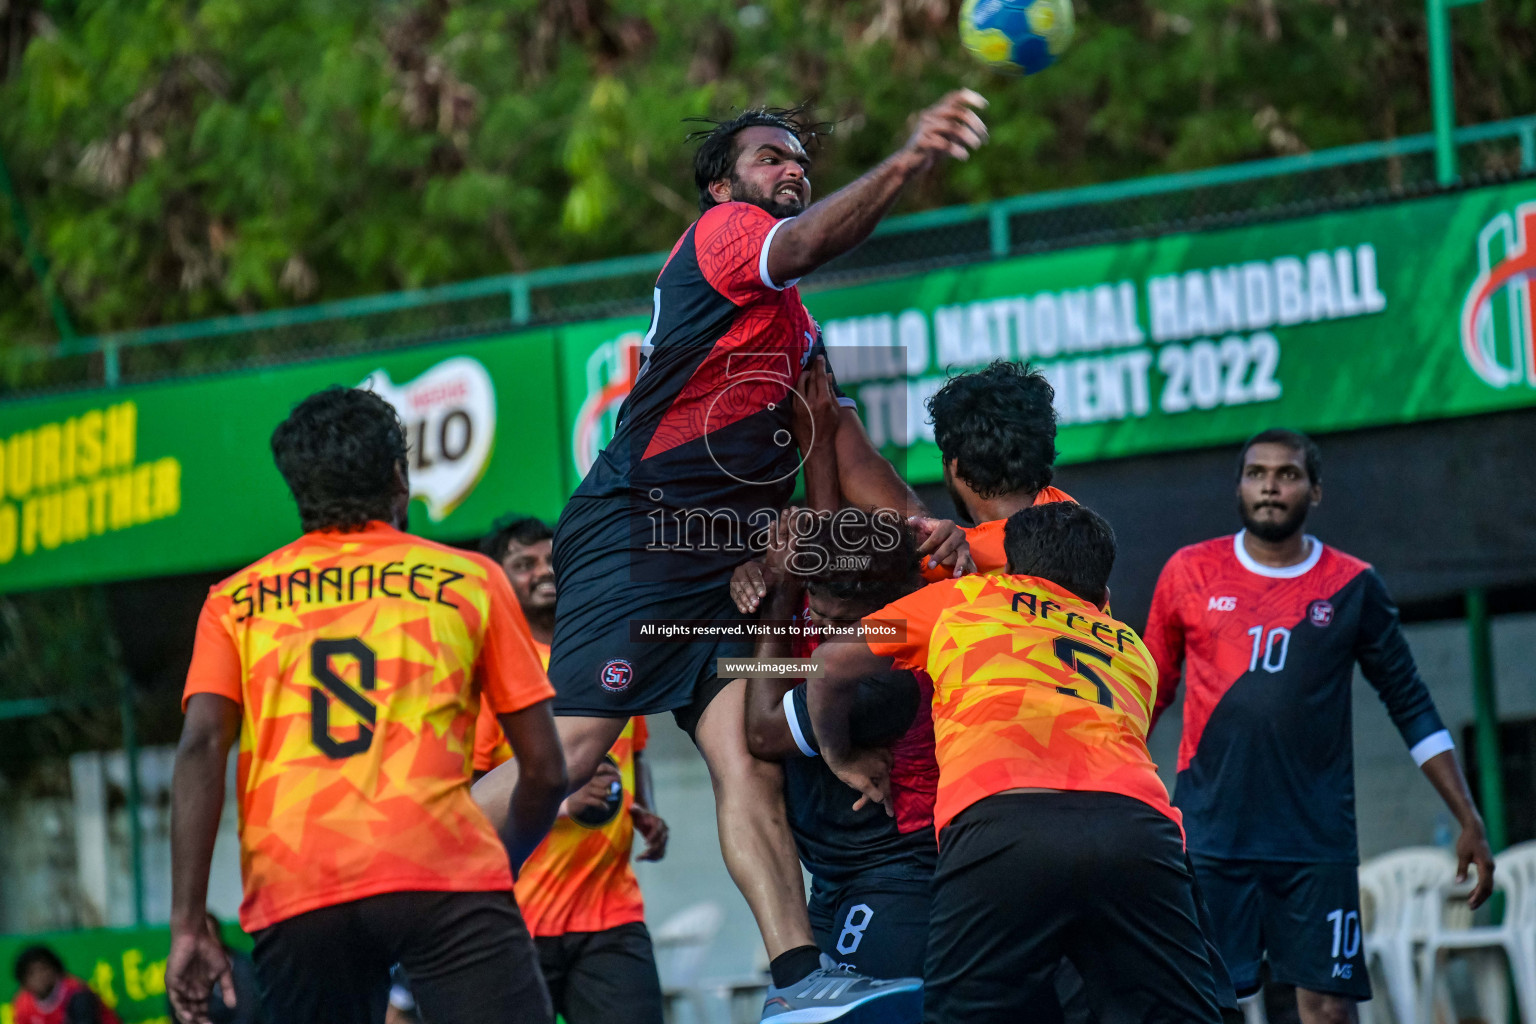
pixel 838 992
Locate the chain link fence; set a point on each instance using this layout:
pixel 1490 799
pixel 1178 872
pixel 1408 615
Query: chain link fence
pixel 1219 197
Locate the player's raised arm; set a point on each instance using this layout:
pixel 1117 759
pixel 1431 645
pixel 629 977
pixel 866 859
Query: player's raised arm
pixel 841 221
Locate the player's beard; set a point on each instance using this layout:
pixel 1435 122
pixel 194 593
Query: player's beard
pixel 741 191
pixel 1274 531
pixel 956 497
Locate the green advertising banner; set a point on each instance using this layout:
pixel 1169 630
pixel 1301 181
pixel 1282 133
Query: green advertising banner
pixel 1400 312
pixel 178 477
pixel 124 966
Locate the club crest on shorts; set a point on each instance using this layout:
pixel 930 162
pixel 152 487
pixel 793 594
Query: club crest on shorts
pixel 616 675
pixel 1320 613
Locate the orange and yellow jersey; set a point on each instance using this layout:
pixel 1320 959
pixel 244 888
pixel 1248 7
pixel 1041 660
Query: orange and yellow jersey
pixel 359 661
pixel 986 539
pixel 579 878
pixel 1033 687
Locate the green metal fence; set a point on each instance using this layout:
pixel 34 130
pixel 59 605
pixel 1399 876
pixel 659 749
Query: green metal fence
pixel 1236 193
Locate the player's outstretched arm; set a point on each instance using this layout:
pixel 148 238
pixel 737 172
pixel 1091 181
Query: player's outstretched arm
pixel 841 221
pixel 197 960
pixel 540 784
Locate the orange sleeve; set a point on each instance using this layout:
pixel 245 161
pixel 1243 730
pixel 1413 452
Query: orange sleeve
pixel 642 734
pixel 491 746
pixel 511 672
pixel 910 620
pixel 215 660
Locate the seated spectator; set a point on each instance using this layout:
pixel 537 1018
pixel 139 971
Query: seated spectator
pixel 47 995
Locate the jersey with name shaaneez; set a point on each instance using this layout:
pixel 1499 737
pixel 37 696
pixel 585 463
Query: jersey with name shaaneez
pixel 358 661
pixel 1266 762
pixel 1033 688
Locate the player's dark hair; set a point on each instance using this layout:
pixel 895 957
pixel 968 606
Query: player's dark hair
pixel 717 152
pixel 338 452
pixel 514 529
pixel 1064 543
pixel 844 540
pixel 35 955
pixel 999 426
pixel 1296 441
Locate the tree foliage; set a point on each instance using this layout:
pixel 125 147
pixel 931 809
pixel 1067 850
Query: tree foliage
pixel 187 158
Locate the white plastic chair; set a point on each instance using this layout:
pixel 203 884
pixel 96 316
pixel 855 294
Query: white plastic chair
pixel 682 943
pixel 1395 888
pixel 1451 931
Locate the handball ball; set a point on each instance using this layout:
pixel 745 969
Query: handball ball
pixel 1018 36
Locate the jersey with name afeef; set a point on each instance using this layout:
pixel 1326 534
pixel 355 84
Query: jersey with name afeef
pixel 357 660
pixel 1266 762
pixel 1034 687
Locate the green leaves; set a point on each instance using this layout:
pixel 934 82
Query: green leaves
pixel 182 158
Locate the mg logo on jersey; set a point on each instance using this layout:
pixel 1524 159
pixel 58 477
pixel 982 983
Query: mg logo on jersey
pixel 611 371
pixel 1320 613
pixel 1498 315
pixel 1222 604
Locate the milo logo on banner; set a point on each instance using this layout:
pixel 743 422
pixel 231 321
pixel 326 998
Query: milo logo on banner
pixel 611 371
pixel 1500 312
pixel 449 414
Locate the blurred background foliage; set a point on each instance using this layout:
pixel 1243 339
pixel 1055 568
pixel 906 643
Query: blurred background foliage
pixel 187 158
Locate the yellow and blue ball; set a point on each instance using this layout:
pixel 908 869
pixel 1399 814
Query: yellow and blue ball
pixel 1017 36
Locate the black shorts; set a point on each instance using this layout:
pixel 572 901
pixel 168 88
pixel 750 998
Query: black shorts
pixel 1026 879
pixel 468 956
pixel 1305 918
pixel 601 669
pixel 606 977
pixel 879 925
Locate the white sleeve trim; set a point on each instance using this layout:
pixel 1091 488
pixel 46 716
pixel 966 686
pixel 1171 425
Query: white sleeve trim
pixel 846 402
pixel 1434 744
pixel 762 259
pixel 794 725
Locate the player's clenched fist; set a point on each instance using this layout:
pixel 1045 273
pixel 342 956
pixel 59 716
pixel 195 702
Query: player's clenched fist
pixel 951 127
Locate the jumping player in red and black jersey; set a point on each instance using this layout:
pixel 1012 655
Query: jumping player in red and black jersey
pixel 1268 626
pixel 703 457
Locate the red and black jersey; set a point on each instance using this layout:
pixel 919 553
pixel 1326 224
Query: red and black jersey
pixel 1266 763
pixel 703 442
